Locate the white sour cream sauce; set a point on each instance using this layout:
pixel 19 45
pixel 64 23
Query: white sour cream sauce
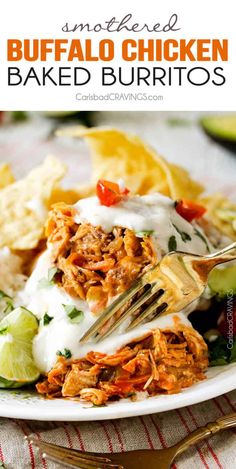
pixel 139 213
pixel 142 213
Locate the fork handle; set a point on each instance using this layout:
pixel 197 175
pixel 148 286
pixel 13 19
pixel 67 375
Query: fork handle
pixel 222 256
pixel 228 421
pixel 203 265
pixel 223 251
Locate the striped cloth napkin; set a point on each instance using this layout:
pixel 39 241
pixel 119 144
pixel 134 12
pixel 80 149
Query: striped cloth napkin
pixel 152 431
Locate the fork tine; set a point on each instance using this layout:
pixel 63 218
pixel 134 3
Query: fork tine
pixel 111 310
pixel 131 310
pixel 149 310
pixel 81 463
pixel 68 462
pixel 62 452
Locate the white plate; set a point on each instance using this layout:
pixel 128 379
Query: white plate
pixel 29 405
pixel 183 142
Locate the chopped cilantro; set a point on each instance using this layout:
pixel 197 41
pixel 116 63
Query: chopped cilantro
pixel 45 283
pixel 200 235
pixel 9 306
pixel 184 236
pixel 143 234
pixel 172 244
pixel 8 302
pixel 49 281
pixel 66 353
pixel 73 313
pixel 221 352
pixel 178 122
pixel 52 272
pixel 46 319
pixel 3 295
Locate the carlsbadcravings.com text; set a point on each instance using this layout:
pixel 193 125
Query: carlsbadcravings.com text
pixel 118 97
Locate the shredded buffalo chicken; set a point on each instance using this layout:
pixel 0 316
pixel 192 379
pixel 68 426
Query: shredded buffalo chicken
pixel 161 362
pixel 93 265
pixel 96 266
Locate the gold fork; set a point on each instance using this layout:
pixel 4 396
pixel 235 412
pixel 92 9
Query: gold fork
pixel 168 287
pixel 151 459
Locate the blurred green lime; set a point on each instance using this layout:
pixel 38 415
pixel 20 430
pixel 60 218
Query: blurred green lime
pixel 17 331
pixel 221 127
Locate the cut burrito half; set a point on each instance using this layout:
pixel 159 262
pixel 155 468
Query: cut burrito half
pixel 95 250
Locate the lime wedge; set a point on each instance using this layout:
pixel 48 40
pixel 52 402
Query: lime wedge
pixel 17 331
pixel 222 282
pixel 221 127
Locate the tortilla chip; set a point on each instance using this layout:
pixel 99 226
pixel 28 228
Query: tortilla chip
pixel 69 196
pixel 117 155
pixel 24 205
pixel 221 211
pixel 6 176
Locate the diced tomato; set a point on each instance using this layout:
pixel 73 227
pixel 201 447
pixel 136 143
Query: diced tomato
pixel 189 210
pixel 110 193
